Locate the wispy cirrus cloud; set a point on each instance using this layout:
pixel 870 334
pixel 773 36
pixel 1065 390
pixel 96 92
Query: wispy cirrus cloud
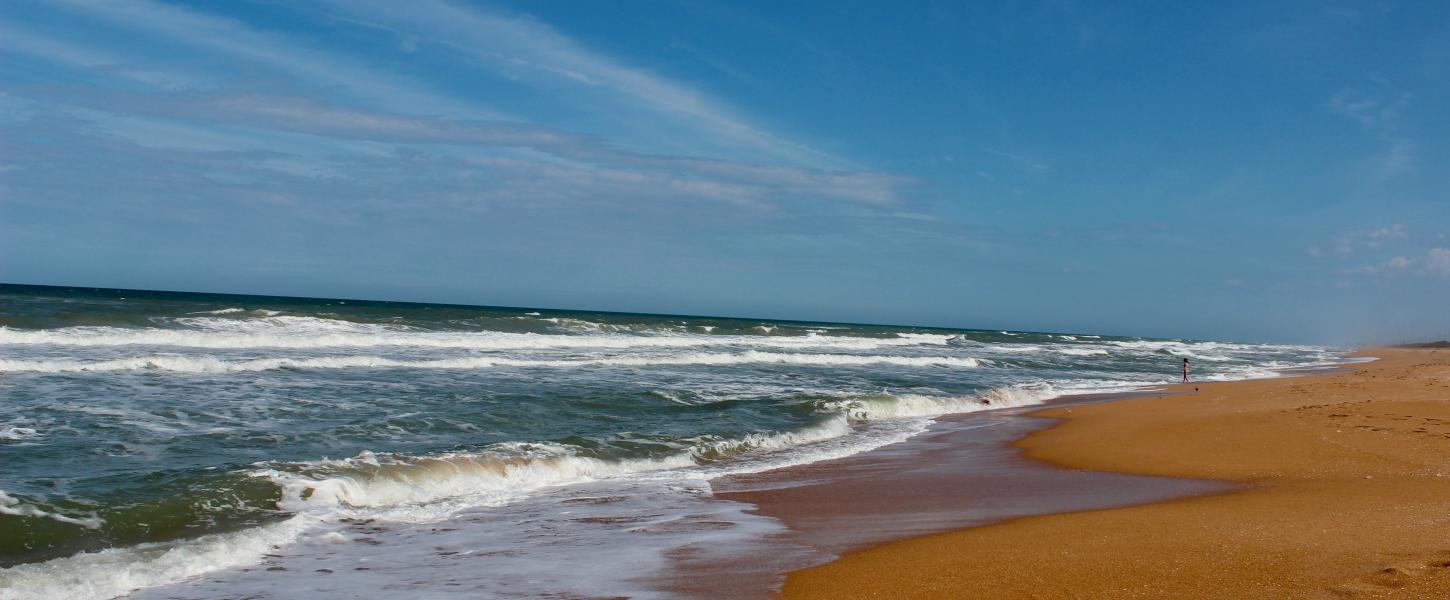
pixel 241 45
pixel 1349 243
pixel 545 56
pixel 1379 114
pixel 1393 265
pixel 1375 245
pixel 1437 261
pixel 760 184
pixel 1020 160
pixel 292 88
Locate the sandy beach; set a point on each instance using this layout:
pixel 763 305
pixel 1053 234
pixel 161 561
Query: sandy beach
pixel 1341 488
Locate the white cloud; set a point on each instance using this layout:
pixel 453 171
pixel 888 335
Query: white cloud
pixel 384 109
pixel 1380 116
pixel 76 53
pixel 304 64
pixel 1398 263
pixel 1399 157
pixel 1020 159
pixel 192 116
pixel 1438 261
pixel 1348 243
pixel 1373 112
pixel 312 114
pixel 1392 232
pixel 548 57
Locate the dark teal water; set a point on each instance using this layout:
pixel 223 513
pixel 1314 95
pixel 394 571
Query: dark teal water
pixel 186 432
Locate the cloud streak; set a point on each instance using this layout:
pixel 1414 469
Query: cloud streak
pixel 300 100
pixel 551 58
pixel 239 43
pixel 1437 261
pixel 1354 241
pixel 758 184
pixel 1380 116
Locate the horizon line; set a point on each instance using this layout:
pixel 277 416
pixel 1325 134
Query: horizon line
pixel 572 310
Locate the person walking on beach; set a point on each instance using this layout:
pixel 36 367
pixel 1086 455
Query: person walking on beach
pixel 1185 370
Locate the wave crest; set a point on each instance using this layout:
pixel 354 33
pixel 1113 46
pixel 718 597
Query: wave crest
pixel 211 364
pixel 315 333
pixel 10 505
pixel 507 471
pixel 867 408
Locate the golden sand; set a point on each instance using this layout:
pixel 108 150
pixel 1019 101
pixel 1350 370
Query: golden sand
pixel 1345 494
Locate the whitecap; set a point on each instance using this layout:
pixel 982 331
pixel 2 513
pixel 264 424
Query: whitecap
pixel 212 364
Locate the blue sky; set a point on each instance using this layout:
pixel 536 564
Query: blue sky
pixel 1233 170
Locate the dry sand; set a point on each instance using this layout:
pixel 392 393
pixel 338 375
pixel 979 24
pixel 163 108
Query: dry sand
pixel 1345 493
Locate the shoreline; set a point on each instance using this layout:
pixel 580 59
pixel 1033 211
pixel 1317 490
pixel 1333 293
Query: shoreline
pixel 836 506
pixel 961 472
pixel 1312 502
pixel 820 527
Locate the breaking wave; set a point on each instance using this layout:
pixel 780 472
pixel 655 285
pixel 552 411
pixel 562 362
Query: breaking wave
pixel 211 364
pixel 18 434
pixel 319 491
pixel 9 505
pixel 913 405
pixel 504 473
pixel 311 332
pixel 116 572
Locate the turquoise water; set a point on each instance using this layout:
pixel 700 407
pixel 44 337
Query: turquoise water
pixel 150 438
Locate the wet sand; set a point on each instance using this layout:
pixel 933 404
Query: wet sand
pixel 960 473
pixel 1338 485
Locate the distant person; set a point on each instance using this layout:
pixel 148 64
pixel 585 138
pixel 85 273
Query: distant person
pixel 1185 370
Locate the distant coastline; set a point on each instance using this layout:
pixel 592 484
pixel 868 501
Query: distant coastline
pixel 1439 344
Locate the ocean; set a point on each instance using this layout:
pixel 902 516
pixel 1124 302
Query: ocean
pixel 181 445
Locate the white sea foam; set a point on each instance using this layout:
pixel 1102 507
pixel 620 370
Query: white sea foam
pixel 1081 351
pixel 10 505
pixel 834 427
pixel 583 326
pixel 393 484
pixel 915 405
pixel 212 364
pixel 489 478
pixel 398 486
pixel 310 332
pixel 394 487
pixel 1198 346
pixel 18 433
pixel 117 571
pixel 509 472
pixel 876 421
pixel 255 312
pixel 408 488
pixel 405 487
pixel 500 476
pixel 927 338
